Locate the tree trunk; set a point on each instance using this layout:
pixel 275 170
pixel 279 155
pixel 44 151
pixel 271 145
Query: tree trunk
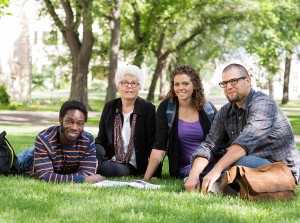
pixel 139 57
pixel 80 48
pixel 270 85
pixel 163 80
pixel 115 25
pixel 161 61
pixel 286 80
pixel 79 82
pixel 139 36
pixel 162 57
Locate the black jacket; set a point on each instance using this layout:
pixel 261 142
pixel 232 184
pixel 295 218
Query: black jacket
pixel 144 134
pixel 161 136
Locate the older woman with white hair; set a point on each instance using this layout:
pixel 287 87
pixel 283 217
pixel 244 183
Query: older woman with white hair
pixel 126 129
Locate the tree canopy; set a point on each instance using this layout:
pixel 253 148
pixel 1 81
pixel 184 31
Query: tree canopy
pixel 163 34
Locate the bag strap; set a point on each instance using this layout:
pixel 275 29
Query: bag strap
pixel 209 111
pixel 170 112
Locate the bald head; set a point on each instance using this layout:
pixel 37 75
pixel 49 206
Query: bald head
pixel 241 69
pixel 236 83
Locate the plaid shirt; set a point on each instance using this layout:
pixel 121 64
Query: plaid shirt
pixel 260 127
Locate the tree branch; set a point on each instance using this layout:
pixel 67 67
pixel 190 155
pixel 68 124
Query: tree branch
pixel 88 37
pixel 69 15
pixel 55 17
pixel 136 23
pixel 78 16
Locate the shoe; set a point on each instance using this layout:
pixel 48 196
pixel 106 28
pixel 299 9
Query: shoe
pixel 185 179
pixel 229 191
pixel 215 189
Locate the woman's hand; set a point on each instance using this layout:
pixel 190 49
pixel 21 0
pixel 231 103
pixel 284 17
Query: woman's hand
pixel 192 183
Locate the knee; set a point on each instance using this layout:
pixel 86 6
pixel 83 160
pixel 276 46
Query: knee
pixel 251 161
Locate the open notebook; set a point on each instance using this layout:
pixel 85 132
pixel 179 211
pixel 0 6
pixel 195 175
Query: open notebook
pixel 136 184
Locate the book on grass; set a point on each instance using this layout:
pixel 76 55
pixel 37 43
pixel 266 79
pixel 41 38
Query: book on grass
pixel 140 184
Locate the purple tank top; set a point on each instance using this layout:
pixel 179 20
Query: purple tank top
pixel 190 136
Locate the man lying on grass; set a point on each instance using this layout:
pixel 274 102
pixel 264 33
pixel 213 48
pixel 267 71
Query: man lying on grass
pixel 63 153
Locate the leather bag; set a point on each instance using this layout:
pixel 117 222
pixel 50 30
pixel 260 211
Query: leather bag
pixel 269 182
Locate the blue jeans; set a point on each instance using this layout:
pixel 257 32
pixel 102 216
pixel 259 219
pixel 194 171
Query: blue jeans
pixel 26 159
pixel 251 161
pixel 248 161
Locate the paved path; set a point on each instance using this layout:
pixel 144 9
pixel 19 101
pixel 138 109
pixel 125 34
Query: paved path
pixel 45 119
pixel 34 117
pixel 37 120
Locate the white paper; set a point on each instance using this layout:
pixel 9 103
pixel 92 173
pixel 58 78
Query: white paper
pixel 136 184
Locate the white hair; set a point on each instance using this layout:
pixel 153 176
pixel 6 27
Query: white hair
pixel 129 70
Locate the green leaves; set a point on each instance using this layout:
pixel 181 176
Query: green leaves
pixel 3 6
pixel 274 31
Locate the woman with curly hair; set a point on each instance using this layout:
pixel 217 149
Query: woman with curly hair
pixel 190 126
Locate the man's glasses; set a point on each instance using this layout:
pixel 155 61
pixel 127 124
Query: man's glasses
pixel 233 81
pixel 126 84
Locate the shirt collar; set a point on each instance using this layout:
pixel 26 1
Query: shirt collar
pixel 245 106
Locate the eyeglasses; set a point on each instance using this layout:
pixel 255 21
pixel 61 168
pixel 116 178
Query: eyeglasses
pixel 233 81
pixel 126 84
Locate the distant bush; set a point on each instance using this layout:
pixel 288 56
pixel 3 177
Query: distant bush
pixel 4 97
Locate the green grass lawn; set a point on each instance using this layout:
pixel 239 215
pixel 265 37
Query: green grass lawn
pixel 28 200
pixel 23 199
pixel 295 122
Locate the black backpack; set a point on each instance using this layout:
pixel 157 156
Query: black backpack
pixel 8 160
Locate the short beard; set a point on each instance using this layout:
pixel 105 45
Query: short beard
pixel 235 99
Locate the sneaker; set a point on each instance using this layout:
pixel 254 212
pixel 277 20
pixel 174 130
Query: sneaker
pixel 185 179
pixel 215 189
pixel 229 191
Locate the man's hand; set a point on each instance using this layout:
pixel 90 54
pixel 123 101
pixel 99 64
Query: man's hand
pixel 209 179
pixel 94 178
pixel 233 154
pixel 192 183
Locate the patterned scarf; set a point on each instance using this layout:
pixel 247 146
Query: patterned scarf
pixel 120 155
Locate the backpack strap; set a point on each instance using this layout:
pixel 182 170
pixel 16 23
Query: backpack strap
pixel 209 111
pixel 171 111
pixel 12 152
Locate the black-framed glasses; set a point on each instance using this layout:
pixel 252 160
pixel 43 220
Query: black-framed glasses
pixel 233 81
pixel 126 84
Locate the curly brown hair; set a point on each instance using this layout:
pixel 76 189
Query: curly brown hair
pixel 198 97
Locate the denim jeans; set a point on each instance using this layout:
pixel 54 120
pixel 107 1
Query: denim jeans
pixel 251 161
pixel 26 159
pixel 248 161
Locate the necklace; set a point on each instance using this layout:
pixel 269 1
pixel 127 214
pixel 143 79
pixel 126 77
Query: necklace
pixel 187 114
